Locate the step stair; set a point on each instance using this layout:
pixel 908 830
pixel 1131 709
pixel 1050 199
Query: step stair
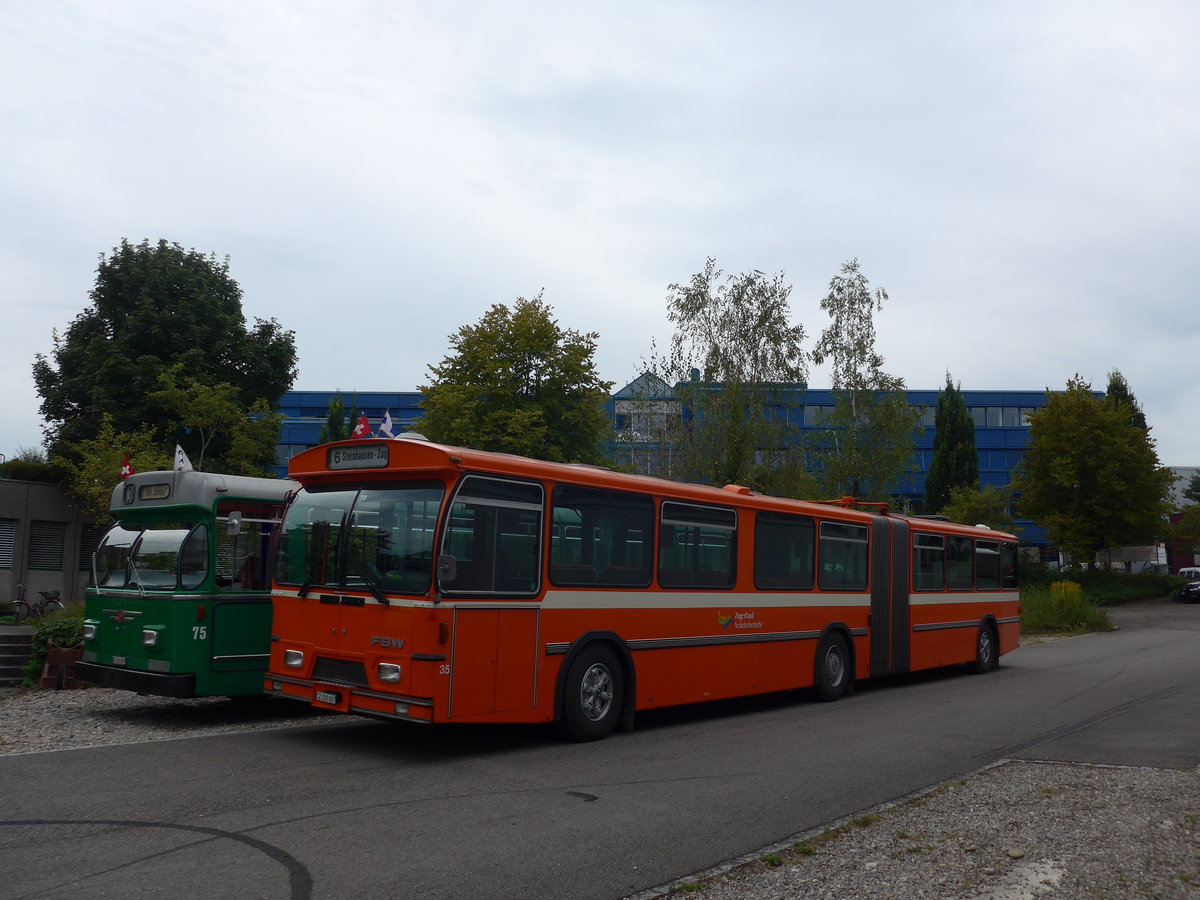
pixel 16 646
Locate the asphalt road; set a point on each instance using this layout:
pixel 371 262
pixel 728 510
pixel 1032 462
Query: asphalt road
pixel 364 809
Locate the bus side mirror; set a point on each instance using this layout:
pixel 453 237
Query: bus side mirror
pixel 233 523
pixel 447 567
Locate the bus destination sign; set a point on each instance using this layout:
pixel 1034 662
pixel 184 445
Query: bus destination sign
pixel 373 456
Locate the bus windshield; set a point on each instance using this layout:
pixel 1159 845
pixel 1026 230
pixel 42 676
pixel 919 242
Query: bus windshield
pixel 378 539
pixel 159 557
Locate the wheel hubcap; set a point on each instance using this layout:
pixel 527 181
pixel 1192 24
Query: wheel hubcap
pixel 985 646
pixel 596 692
pixel 834 667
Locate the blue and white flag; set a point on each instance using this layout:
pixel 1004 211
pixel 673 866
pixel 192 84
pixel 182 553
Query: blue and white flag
pixel 385 427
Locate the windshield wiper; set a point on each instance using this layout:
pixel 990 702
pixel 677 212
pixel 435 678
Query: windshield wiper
pixel 137 576
pixel 371 583
pixel 303 592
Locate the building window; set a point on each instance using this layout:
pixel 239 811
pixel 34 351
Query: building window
pixel 47 543
pixel 8 537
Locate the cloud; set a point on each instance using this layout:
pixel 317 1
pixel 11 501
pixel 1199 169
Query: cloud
pixel 1021 177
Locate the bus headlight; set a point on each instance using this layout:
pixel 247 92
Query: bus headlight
pixel 293 659
pixel 149 638
pixel 389 673
pixel 89 631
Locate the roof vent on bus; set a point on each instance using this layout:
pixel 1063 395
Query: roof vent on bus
pixel 411 436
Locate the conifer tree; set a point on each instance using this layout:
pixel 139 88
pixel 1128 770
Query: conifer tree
pixel 955 462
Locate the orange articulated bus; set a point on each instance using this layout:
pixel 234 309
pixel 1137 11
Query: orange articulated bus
pixel 427 583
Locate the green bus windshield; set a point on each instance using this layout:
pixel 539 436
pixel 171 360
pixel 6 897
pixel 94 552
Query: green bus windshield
pixel 164 556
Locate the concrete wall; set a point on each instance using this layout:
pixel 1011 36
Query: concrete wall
pixel 24 502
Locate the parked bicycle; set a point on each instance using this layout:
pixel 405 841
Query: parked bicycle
pixel 51 602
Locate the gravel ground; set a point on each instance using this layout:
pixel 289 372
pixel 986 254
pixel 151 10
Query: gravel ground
pixel 1014 831
pixel 34 721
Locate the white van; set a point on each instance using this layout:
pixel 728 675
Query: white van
pixel 1190 572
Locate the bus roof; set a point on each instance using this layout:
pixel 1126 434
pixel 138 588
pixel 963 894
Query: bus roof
pixel 353 461
pixel 149 490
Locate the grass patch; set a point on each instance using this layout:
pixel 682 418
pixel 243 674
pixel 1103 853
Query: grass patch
pixel 867 820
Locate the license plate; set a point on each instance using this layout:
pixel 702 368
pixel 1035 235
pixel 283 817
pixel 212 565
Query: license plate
pixel 330 697
pixel 118 661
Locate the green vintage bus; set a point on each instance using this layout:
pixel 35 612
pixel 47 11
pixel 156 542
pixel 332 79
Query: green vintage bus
pixel 179 600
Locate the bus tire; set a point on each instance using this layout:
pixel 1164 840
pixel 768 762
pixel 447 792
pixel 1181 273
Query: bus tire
pixel 831 669
pixel 987 656
pixel 593 694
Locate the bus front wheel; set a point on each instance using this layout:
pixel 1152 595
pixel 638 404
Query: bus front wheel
pixel 831 670
pixel 593 695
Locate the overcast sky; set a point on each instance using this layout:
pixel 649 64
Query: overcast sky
pixel 1023 178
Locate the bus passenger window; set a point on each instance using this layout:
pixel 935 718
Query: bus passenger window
pixel 696 546
pixel 987 565
pixel 784 547
pixel 600 537
pixel 929 562
pixel 843 557
pixel 1008 566
pixel 960 563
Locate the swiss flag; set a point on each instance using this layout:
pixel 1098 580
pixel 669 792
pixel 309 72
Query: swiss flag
pixel 126 467
pixel 362 429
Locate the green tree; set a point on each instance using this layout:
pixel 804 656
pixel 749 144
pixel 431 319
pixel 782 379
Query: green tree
pixel 334 428
pixel 1192 491
pixel 1120 394
pixel 211 412
pixel 1186 530
pixel 152 307
pixel 1091 478
pixel 735 359
pixel 517 382
pixel 955 462
pixel 868 440
pixel 95 469
pixel 990 506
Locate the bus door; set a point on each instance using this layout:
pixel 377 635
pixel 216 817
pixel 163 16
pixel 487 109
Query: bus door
pixel 241 616
pixel 490 566
pixel 889 596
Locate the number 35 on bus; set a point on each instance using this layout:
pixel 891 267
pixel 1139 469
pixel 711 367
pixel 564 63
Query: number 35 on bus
pixel 435 584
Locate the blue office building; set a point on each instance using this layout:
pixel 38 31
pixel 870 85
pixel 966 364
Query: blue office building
pixel 1001 429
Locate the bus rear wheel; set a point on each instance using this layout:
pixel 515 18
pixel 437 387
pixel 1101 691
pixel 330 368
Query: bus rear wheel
pixel 986 656
pixel 593 695
pixel 831 669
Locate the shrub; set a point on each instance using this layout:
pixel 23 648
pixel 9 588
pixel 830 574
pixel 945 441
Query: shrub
pixel 1061 607
pixel 63 628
